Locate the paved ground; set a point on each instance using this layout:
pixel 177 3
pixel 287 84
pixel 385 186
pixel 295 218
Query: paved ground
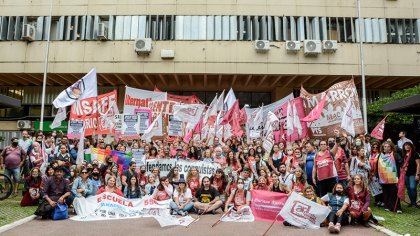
pixel 149 226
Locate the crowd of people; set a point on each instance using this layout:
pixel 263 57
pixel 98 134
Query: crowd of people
pixel 335 172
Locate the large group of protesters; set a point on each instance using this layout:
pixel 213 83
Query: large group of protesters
pixel 335 172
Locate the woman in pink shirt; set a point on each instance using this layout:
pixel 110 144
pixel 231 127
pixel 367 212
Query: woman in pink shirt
pixel 164 190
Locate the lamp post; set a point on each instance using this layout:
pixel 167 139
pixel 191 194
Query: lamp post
pixel 44 81
pixel 362 62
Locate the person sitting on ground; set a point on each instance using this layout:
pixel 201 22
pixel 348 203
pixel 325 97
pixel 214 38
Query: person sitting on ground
pixel 110 187
pixel 56 190
pixel 219 182
pixel 182 200
pixel 31 189
pixel 240 197
pixel 359 197
pixel 151 184
pixel 207 198
pixel 132 190
pixel 96 179
pixel 338 203
pixel 193 180
pixel 276 186
pixel 164 190
pixel 82 185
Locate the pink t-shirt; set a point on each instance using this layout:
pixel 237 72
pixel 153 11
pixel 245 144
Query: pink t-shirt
pixel 325 167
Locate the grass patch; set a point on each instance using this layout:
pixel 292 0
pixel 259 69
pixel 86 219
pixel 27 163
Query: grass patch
pixel 11 210
pixel 406 223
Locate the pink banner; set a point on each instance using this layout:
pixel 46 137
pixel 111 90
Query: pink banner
pixel 267 205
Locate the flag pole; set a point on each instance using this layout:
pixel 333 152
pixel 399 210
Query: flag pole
pixel 44 81
pixel 362 64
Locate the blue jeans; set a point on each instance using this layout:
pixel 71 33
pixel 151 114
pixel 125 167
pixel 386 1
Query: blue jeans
pixel 13 174
pixel 411 184
pixel 187 208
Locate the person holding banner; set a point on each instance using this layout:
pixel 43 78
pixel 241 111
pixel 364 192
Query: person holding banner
pixel 114 172
pixel 373 162
pixel 110 187
pixel 239 196
pixel 207 198
pixel 338 202
pixel 324 170
pixel 182 200
pixel 359 197
pixel 309 193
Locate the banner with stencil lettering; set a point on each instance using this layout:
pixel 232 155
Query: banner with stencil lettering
pixel 333 110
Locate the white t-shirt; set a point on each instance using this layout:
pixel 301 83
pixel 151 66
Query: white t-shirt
pixel 183 197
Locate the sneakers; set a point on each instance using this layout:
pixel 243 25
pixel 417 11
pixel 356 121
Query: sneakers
pixel 213 212
pixel 386 209
pixel 173 213
pixel 365 224
pixel 399 212
pixel 285 223
pixel 200 212
pixel 331 228
pixel 183 213
pixel 337 228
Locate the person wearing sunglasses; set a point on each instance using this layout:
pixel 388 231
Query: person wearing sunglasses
pixel 82 185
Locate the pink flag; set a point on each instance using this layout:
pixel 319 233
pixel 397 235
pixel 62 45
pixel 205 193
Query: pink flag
pixel 378 131
pixel 188 136
pixel 242 116
pixel 316 112
pixel 230 113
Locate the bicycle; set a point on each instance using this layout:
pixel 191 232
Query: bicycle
pixel 6 186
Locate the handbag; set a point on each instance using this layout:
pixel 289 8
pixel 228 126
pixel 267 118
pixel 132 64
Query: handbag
pixel 60 212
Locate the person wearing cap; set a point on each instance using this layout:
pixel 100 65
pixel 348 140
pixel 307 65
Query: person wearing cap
pixel 182 199
pixel 56 190
pixel 179 154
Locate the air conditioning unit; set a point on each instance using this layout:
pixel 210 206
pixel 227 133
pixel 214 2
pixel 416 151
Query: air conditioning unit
pixel 28 32
pixel 311 47
pixel 167 54
pixel 24 124
pixel 329 45
pixel 293 46
pixel 262 45
pixel 102 31
pixel 143 46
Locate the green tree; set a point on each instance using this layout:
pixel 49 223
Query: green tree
pixel 376 109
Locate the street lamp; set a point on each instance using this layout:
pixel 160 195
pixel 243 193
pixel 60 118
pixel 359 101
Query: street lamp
pixel 44 81
pixel 362 62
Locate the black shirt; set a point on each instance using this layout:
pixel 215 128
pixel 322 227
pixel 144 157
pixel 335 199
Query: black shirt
pixel 206 196
pixel 412 166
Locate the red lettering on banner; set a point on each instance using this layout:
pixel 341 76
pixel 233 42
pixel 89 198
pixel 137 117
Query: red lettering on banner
pixel 130 101
pixel 115 199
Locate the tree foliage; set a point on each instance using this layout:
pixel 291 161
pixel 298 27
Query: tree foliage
pixel 376 109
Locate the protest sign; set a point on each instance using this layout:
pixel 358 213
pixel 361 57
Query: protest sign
pixel 243 215
pixel 169 220
pixel 118 119
pixel 145 118
pixel 75 129
pixel 130 126
pixel 303 213
pixel 374 186
pixel 138 157
pixel 165 108
pixel 165 165
pixel 139 98
pixel 89 111
pixel 337 97
pixel 175 127
pixel 110 206
pixel 267 205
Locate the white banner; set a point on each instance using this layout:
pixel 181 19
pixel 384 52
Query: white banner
pixel 189 113
pixel 303 213
pixel 139 98
pixel 138 157
pixel 165 165
pixel 174 127
pixel 110 206
pixel 243 215
pixel 168 220
pixel 252 112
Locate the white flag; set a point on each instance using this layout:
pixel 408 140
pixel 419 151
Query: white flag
pixel 155 129
pixel 347 120
pixel 303 213
pixel 227 131
pixel 189 113
pixel 289 119
pixel 59 117
pixel 258 119
pixel 229 101
pixel 243 215
pixel 272 121
pixel 296 120
pixel 85 87
pixel 220 101
pixel 211 111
